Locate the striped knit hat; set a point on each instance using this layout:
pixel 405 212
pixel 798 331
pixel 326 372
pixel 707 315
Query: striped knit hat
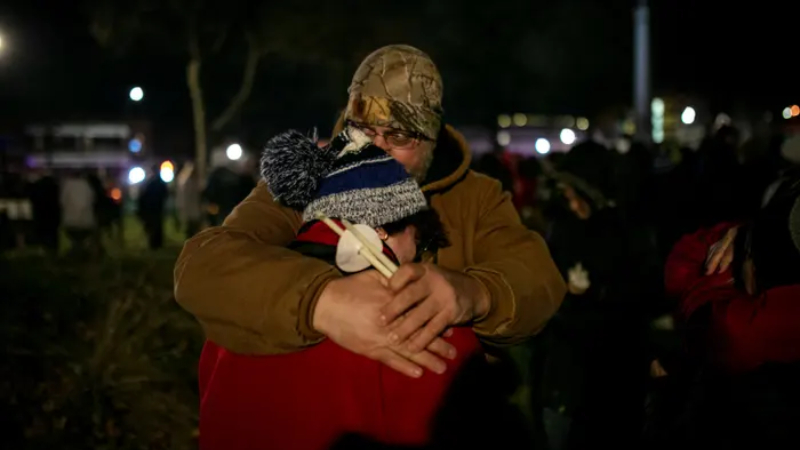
pixel 348 179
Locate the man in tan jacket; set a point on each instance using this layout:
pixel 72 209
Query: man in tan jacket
pixel 253 295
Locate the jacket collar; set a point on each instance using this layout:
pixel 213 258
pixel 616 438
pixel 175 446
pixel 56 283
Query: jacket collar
pixel 318 240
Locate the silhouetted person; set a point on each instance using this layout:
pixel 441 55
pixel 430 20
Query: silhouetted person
pixel 721 186
pixel 103 205
pixel 44 195
pixel 151 209
pixel 737 288
pixel 189 200
pixel 225 189
pixel 77 205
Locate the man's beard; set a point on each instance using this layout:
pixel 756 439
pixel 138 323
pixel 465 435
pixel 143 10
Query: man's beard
pixel 421 172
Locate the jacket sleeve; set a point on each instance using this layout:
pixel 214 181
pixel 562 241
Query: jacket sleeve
pixel 750 331
pixel 515 267
pixel 684 271
pixel 250 294
pixel 743 331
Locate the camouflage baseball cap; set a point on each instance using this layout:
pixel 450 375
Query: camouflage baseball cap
pixel 397 86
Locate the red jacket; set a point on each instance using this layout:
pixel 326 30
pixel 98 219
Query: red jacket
pixel 745 331
pixel 306 400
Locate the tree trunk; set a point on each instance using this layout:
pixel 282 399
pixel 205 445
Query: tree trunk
pixel 245 88
pixel 199 117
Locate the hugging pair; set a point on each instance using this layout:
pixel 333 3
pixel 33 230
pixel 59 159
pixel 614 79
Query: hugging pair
pixel 309 399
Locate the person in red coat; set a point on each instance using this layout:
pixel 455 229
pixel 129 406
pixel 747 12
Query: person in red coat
pixel 738 287
pixel 312 398
pixel 747 278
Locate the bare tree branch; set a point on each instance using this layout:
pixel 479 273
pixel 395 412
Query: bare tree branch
pixel 192 39
pixel 221 38
pixel 198 115
pixel 248 77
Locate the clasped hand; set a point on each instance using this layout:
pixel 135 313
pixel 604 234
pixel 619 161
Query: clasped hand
pixel 400 322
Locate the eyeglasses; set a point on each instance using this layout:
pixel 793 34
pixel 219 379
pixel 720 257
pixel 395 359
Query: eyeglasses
pixel 397 139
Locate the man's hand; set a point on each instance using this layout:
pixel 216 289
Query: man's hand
pixel 427 300
pixel 720 255
pixel 348 312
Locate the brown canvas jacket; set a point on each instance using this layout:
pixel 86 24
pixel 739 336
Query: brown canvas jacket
pixel 254 296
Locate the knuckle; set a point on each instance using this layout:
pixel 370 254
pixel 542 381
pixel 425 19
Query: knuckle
pixel 396 309
pixel 423 338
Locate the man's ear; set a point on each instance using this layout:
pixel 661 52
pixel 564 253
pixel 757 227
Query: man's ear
pixel 382 233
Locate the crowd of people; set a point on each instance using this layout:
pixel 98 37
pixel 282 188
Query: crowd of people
pixel 85 209
pixel 613 361
pixel 658 307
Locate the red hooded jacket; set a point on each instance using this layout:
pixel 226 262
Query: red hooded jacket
pixel 308 399
pixel 745 331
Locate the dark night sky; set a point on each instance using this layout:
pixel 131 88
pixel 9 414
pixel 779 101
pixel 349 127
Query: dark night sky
pixel 568 56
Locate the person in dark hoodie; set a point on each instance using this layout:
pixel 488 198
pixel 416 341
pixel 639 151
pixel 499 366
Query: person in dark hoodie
pixel 151 208
pixel 592 359
pixel 738 287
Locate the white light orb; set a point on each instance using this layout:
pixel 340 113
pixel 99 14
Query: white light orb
pixel 234 152
pixel 542 146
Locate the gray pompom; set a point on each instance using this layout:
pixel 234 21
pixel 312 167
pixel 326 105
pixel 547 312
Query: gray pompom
pixel 293 166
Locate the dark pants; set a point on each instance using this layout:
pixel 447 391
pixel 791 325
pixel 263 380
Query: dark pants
pixel 154 228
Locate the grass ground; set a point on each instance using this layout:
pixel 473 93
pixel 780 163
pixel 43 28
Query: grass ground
pixel 133 239
pixel 97 353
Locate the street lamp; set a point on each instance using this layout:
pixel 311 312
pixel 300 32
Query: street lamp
pixel 503 138
pixel 234 152
pixel 136 94
pixel 167 171
pixel 542 146
pixel 136 175
pixel 135 145
pixel 688 115
pixel 567 136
